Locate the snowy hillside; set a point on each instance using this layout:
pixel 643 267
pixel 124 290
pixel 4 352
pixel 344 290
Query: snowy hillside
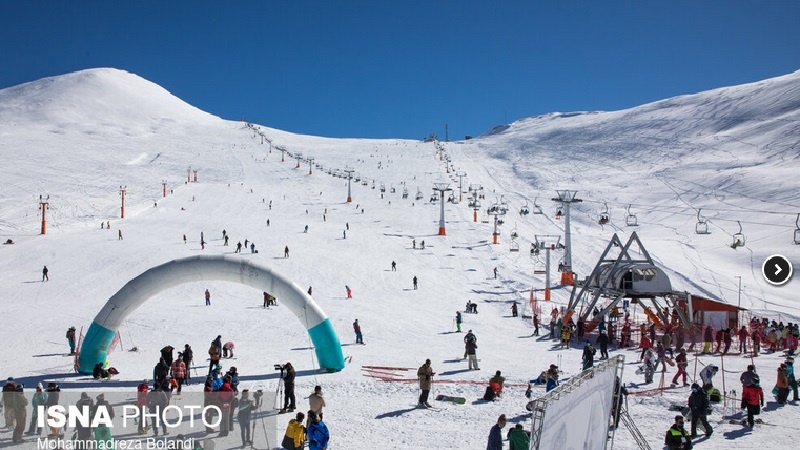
pixel 78 138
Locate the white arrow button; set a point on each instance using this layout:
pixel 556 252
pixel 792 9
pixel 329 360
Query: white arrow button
pixel 779 269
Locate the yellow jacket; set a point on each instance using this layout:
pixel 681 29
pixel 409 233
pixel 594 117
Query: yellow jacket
pixel 297 432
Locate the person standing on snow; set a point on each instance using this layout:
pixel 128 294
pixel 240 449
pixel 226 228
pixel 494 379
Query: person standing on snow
pixel 698 404
pixel 677 438
pixel 318 434
pixel 602 342
pixel 349 291
pixel 458 321
pixel 394 266
pixel 286 252
pixel 753 400
pixel 415 282
pixel 425 373
pixel 45 277
pixel 469 337
pixel 71 340
pixel 188 356
pixel 357 329
pixel 471 347
pixel 208 298
pixel 288 388
pixel 495 436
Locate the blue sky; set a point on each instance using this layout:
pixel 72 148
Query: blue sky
pixel 405 69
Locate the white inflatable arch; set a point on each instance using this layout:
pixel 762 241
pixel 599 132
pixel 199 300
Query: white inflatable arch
pixel 204 268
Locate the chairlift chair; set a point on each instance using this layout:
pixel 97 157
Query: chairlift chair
pixel 419 195
pixel 524 211
pixel 738 238
pixel 702 224
pixel 604 217
pixel 630 219
pixel 536 208
pixel 513 246
pixel 392 190
pixel 797 231
pixel 558 214
pixel 383 187
pixel 405 192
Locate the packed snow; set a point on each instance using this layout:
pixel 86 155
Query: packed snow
pixel 78 139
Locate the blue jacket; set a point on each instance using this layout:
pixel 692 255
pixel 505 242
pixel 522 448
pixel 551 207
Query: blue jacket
pixel 495 439
pixel 318 436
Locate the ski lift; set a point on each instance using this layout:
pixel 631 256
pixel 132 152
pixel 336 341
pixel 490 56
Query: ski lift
pixel 364 182
pixel 558 214
pixel 524 211
pixel 500 221
pixel 534 250
pixel 392 190
pixel 738 238
pixel 434 197
pixel 797 231
pixel 604 218
pixel 536 208
pixel 383 187
pixel 514 233
pixel 373 184
pixel 702 224
pixel 630 219
pixel 405 192
pixel 513 246
pixel 419 195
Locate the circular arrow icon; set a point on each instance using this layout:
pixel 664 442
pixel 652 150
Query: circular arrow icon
pixel 777 270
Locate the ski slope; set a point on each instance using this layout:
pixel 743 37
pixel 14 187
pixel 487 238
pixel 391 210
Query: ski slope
pixel 78 138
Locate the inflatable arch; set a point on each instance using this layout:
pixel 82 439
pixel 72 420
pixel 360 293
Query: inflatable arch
pixel 203 268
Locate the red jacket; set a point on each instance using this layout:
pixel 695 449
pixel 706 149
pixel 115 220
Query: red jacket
pixel 141 394
pixel 753 395
pixel 225 396
pixel 178 370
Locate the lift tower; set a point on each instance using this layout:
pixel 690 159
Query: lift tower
pixel 441 188
pixel 566 198
pixel 349 173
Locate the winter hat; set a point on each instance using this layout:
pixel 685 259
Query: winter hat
pixel 39 386
pixel 695 386
pixel 10 379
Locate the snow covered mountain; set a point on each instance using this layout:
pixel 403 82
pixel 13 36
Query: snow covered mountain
pixel 731 152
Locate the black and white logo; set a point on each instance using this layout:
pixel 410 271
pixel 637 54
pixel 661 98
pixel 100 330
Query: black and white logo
pixel 777 270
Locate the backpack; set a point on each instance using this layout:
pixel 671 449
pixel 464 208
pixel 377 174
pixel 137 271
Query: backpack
pixel 489 395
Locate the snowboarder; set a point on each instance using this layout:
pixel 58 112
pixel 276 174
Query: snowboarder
pixel 551 378
pixel 45 277
pixel 227 350
pixel 698 405
pixel 753 400
pixel 208 298
pixel 305 230
pixel 424 374
pixel 357 330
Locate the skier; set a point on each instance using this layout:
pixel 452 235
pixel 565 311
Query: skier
pixel 424 374
pixel 495 273
pixel 469 338
pixel 184 238
pixel 470 348
pixel 349 291
pixel 309 290
pixel 71 340
pixel 394 266
pixel 535 324
pixel 415 282
pixel 226 240
pixel 357 330
pixel 208 298
pixel 286 252
pixel 227 350
pixel 514 309
pixel 458 321
pixel 344 234
pixel 680 360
